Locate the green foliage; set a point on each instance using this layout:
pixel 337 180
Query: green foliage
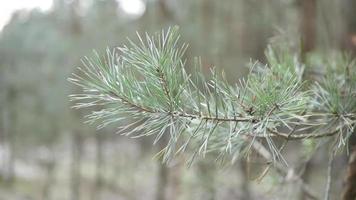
pixel 147 83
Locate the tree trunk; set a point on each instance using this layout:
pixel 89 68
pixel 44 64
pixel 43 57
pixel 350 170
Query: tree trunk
pixel 99 166
pixel 245 186
pixel 349 37
pixel 77 144
pixel 163 172
pixel 175 180
pixel 349 192
pixel 76 27
pixel 207 172
pixel 308 26
pixel 162 181
pixel 255 31
pixel 49 165
pixel 306 176
pixel 164 10
pixel 49 161
pixel 308 37
pixel 9 136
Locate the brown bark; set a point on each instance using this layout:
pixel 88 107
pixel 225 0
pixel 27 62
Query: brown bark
pixel 207 178
pixel 207 14
pixel 77 145
pixel 49 165
pixel 245 186
pixel 163 172
pixel 162 181
pixel 349 192
pixel 349 37
pixel 175 180
pixel 164 10
pixel 308 26
pixel 9 136
pixel 255 32
pixel 99 166
pixel 308 40
pixel 49 162
pixel 306 176
pixel 76 27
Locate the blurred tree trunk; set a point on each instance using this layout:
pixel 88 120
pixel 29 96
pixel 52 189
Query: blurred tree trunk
pixel 49 165
pixel 49 161
pixel 3 133
pixel 163 172
pixel 162 181
pixel 9 135
pixel 307 26
pixel 245 186
pixel 207 16
pixel 77 145
pixel 99 166
pixel 76 26
pixel 255 29
pixel 349 192
pixel 165 15
pixel 175 180
pixel 349 37
pixel 308 11
pixel 206 172
pixel 4 139
pixel 306 177
pixel 165 12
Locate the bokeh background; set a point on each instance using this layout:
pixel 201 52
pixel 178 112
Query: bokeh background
pixel 48 153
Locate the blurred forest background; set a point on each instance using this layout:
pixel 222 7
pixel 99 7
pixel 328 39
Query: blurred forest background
pixel 47 153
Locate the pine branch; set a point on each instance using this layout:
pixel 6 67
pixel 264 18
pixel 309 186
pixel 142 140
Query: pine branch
pixel 147 83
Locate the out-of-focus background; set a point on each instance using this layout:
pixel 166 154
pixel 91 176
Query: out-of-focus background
pixel 48 153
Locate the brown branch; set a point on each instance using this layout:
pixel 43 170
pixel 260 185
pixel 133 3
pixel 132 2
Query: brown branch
pixel 301 136
pixel 292 137
pixel 131 104
pixel 164 85
pixel 217 119
pixel 349 189
pixel 274 133
pixel 349 192
pixel 180 114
